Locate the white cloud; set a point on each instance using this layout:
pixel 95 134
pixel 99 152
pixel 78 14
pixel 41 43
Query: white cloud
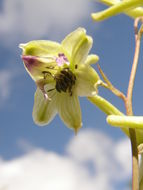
pixel 93 161
pixel 5 84
pixel 111 160
pixel 34 19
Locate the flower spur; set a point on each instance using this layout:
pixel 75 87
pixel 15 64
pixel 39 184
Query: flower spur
pixel 132 8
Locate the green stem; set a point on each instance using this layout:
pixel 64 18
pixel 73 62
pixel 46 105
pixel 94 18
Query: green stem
pixel 106 107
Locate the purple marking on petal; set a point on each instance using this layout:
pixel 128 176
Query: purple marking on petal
pixel 30 61
pixel 61 54
pixel 28 58
pixel 62 59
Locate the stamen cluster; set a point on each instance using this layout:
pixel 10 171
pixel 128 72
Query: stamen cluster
pixel 65 81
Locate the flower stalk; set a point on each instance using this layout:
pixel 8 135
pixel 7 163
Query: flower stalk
pixel 129 109
pixel 110 85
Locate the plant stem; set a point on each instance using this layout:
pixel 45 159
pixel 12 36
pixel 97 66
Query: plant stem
pixel 135 164
pixel 110 85
pixel 133 71
pixel 129 110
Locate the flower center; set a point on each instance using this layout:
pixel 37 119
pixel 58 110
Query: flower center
pixel 64 77
pixel 65 80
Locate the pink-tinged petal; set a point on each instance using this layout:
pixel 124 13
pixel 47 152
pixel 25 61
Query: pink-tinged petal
pixel 37 67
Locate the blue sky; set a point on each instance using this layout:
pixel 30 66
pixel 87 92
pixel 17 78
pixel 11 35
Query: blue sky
pixel 22 143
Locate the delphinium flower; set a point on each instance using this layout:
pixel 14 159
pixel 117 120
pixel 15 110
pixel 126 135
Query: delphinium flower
pixel 132 8
pixel 62 72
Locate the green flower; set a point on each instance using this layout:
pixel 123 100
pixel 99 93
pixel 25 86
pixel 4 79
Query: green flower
pixel 132 8
pixel 62 72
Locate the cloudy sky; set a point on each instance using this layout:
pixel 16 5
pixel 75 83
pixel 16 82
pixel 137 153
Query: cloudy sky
pixel 33 158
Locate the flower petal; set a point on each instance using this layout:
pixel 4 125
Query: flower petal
pixel 81 51
pixel 69 110
pixel 70 42
pixel 38 68
pixel 44 110
pixel 86 81
pixel 41 48
pixel 91 59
